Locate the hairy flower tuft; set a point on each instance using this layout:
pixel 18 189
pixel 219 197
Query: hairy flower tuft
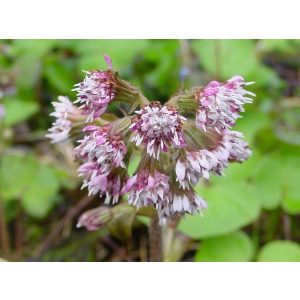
pixel 65 114
pixel 95 92
pixel 103 155
pixel 157 127
pixel 221 104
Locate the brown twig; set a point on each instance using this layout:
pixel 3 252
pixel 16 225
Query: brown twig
pixel 143 253
pixel 287 226
pixel 155 240
pixel 70 215
pixel 4 231
pixel 18 232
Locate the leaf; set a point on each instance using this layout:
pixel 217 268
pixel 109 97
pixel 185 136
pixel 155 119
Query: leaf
pixel 59 75
pixel 280 45
pixel 251 122
pixel 36 48
pixel 133 164
pixel 121 52
pixel 35 184
pixel 29 69
pixel 280 251
pixel 231 205
pixel 227 57
pixel 39 198
pixel 235 246
pixel 277 177
pixel 17 110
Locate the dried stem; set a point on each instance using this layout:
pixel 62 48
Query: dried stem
pixel 155 240
pixel 3 231
pixel 19 231
pixel 70 215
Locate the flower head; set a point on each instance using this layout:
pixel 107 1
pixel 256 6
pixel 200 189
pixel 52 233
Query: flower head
pixel 65 114
pixel 238 149
pixel 103 157
pixel 195 165
pixel 147 188
pixel 95 93
pixel 186 201
pixel 94 219
pixel 157 127
pixel 221 104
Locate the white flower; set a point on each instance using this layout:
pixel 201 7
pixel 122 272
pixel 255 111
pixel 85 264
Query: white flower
pixel 65 113
pixel 157 127
pixel 221 104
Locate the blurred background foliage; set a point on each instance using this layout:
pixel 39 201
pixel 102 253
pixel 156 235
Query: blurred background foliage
pixel 254 210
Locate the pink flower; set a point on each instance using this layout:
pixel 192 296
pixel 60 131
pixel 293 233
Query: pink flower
pixel 94 219
pixel 147 189
pixel 238 150
pixel 95 93
pixel 221 104
pixel 99 146
pixel 180 202
pixel 195 165
pixel 157 127
pixel 65 114
pixel 103 157
pixel 186 201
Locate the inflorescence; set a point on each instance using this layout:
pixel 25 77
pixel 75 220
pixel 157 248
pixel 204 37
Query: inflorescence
pixel 180 142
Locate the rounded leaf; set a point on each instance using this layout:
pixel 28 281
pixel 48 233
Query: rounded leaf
pixel 280 251
pixel 231 205
pixel 236 246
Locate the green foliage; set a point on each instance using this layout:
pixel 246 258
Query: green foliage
pixel 280 251
pixel 227 57
pixel 122 52
pixel 34 184
pixel 231 205
pixel 236 246
pixel 255 194
pixel 18 110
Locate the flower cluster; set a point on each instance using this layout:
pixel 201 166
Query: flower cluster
pixel 102 155
pixel 221 104
pixel 180 142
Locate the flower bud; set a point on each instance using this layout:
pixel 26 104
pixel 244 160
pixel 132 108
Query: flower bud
pixel 95 218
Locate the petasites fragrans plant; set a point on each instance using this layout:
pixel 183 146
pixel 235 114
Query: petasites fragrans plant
pixel 188 138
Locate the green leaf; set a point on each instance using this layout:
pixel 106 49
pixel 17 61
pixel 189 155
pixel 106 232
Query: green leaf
pixel 36 48
pixel 231 205
pixel 39 198
pixel 29 71
pixel 236 246
pixel 277 178
pixel 59 75
pixel 251 122
pixel 121 52
pixel 280 251
pixel 227 57
pixel 281 45
pixel 17 110
pixel 35 184
pixel 133 164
